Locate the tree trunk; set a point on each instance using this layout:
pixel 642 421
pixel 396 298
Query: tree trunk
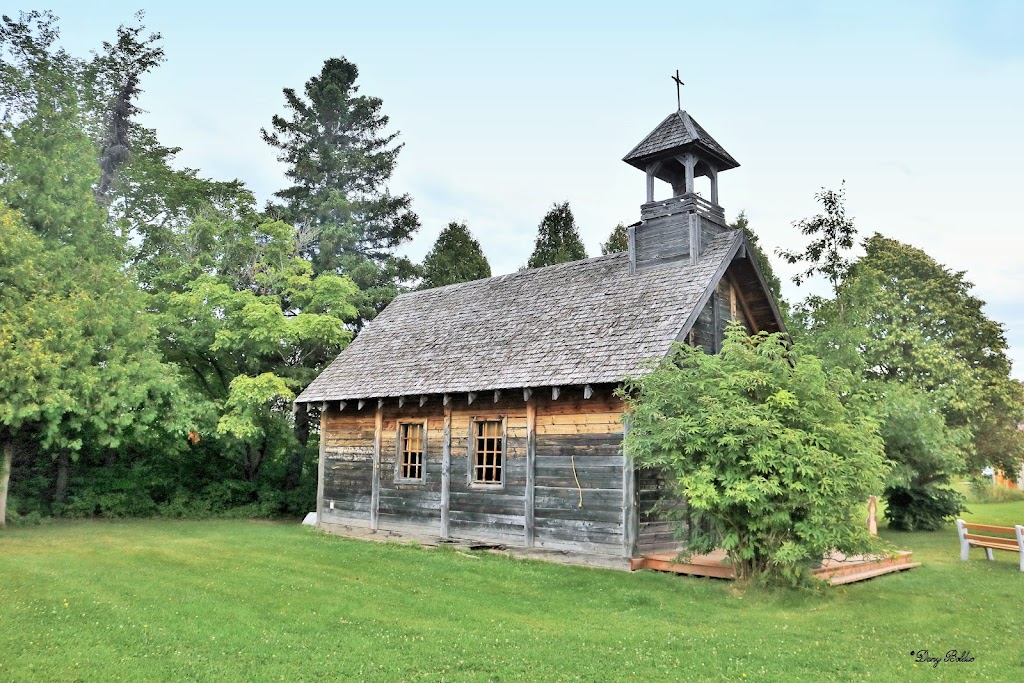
pixel 60 488
pixel 253 461
pixel 302 423
pixel 6 458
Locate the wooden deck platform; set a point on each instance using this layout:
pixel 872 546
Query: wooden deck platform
pixel 837 569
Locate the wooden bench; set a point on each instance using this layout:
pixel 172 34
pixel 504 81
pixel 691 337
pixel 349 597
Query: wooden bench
pixel 1010 538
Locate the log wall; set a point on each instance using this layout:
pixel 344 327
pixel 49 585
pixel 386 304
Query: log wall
pixel 347 466
pixel 579 485
pixel 568 493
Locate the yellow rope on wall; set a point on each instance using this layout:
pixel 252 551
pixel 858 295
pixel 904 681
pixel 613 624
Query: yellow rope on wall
pixel 572 461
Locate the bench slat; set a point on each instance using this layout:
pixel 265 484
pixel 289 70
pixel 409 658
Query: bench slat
pixel 992 542
pixel 991 529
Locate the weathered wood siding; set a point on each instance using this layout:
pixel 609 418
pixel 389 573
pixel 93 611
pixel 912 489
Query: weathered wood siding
pixel 348 466
pixel 579 496
pixel 709 230
pixel 411 506
pixel 483 512
pixel 578 458
pixel 723 306
pixel 660 240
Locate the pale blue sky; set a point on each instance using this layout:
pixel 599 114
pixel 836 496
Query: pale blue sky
pixel 505 109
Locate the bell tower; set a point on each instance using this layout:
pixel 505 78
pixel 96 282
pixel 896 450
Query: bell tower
pixel 674 229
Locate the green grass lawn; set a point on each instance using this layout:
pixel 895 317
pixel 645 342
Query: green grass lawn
pixel 249 601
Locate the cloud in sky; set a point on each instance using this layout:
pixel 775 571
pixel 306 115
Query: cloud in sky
pixel 505 109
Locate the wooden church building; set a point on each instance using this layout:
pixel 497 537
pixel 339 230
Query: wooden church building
pixel 485 411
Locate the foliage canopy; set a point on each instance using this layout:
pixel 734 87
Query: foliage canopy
pixel 558 239
pixel 455 257
pixel 766 446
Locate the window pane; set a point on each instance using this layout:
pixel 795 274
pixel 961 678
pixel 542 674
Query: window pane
pixel 487 459
pixel 411 463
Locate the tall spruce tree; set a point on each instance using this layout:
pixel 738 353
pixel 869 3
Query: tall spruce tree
pixel 339 161
pixel 455 257
pixel 618 241
pixel 558 240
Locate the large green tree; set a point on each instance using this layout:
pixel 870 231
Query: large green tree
pixel 132 244
pixel 339 160
pixel 455 257
pixel 558 239
pixel 928 330
pixel 905 323
pixel 81 369
pixel 251 326
pixel 768 446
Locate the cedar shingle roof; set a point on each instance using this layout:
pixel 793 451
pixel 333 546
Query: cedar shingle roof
pixel 677 131
pixel 585 322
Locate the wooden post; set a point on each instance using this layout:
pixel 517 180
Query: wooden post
pixel 693 225
pixel 742 300
pixel 965 547
pixel 321 465
pixel 691 165
pixel 446 467
pixel 1018 531
pixel 630 522
pixel 716 322
pixel 631 238
pixel 873 515
pixel 531 467
pixel 6 458
pixel 378 433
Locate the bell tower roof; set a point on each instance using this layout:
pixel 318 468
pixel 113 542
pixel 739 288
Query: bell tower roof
pixel 676 135
pixel 677 151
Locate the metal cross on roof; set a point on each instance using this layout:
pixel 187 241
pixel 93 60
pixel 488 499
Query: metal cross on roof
pixel 679 102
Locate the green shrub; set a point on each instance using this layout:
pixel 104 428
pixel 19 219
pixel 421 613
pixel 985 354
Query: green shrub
pixel 925 452
pixel 759 443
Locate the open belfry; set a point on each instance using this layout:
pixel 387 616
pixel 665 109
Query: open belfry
pixel 486 411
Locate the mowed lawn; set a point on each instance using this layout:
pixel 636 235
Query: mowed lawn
pixel 250 601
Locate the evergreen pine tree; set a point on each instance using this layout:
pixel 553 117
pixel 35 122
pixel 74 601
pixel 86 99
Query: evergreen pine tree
pixel 455 257
pixel 339 162
pixel 558 240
